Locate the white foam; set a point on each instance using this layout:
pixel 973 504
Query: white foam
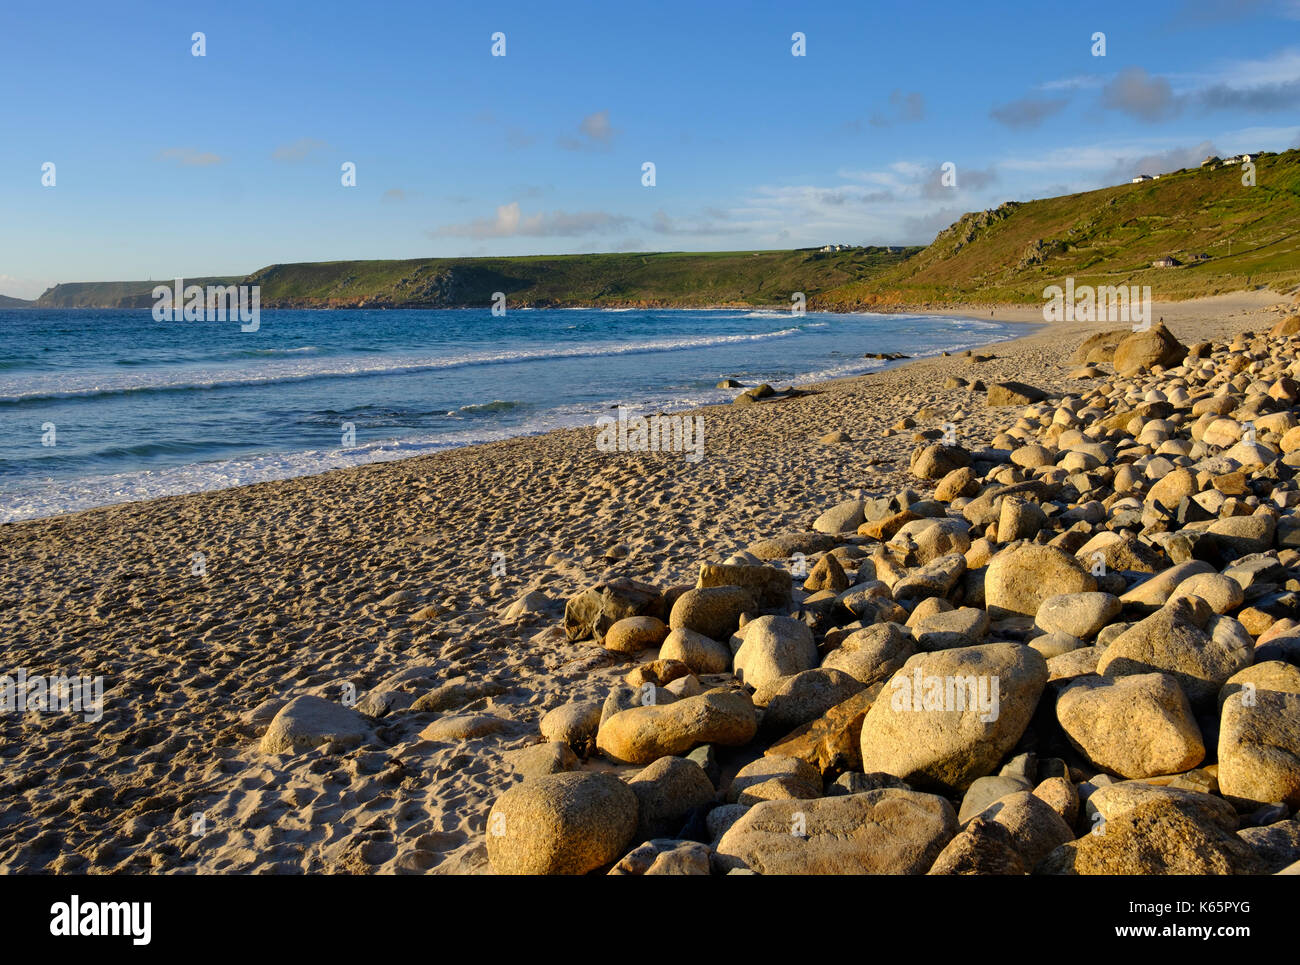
pixel 33 500
pixel 16 389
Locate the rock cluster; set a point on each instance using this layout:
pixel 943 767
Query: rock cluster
pixel 1074 649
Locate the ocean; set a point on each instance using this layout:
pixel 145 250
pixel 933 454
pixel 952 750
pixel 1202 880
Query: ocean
pixel 108 406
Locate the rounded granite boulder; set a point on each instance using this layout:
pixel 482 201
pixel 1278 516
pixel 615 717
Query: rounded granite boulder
pixel 641 735
pixel 1021 578
pixel 569 823
pixel 631 635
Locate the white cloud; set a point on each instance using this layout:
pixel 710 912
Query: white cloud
pixel 1083 157
pixel 1098 164
pixel 896 204
pixel 1278 68
pixel 511 222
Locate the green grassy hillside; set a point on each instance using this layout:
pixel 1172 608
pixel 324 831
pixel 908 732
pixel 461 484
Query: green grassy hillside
pixel 1110 236
pixel 663 279
pixel 1249 237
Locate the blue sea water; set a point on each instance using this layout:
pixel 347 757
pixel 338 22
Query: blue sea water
pixel 142 408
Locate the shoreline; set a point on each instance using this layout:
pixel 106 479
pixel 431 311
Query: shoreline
pixel 445 573
pixel 1006 311
pixel 437 447
pixel 1233 304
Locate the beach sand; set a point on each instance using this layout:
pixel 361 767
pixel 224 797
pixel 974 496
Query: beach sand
pixel 382 577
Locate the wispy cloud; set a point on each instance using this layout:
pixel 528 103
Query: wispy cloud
pixel 1095 164
pixel 897 176
pixel 1279 67
pixel 526 192
pixel 932 185
pixel 597 127
pixel 1078 82
pixel 662 224
pixel 298 150
pixel 1161 162
pixel 511 222
pixel 905 108
pixel 596 133
pixel 1263 85
pixel 518 139
pixel 1028 112
pixel 923 228
pixel 902 202
pixel 190 157
pixel 1267 97
pixel 1218 11
pixel 1083 157
pixel 1136 93
pixel 904 180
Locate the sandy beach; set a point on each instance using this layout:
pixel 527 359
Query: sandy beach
pixel 444 574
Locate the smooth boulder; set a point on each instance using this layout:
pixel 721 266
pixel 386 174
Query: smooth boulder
pixel 887 831
pixel 641 735
pixel 1187 640
pixel 1136 726
pixel 1020 578
pixel 949 717
pixel 1142 351
pixel 775 646
pixel 569 823
pixel 307 722
pixel 712 610
pixel 1259 748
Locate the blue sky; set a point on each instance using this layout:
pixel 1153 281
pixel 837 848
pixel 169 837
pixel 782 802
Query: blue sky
pixel 169 164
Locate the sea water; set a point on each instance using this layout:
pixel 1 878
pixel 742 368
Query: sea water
pixel 108 406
